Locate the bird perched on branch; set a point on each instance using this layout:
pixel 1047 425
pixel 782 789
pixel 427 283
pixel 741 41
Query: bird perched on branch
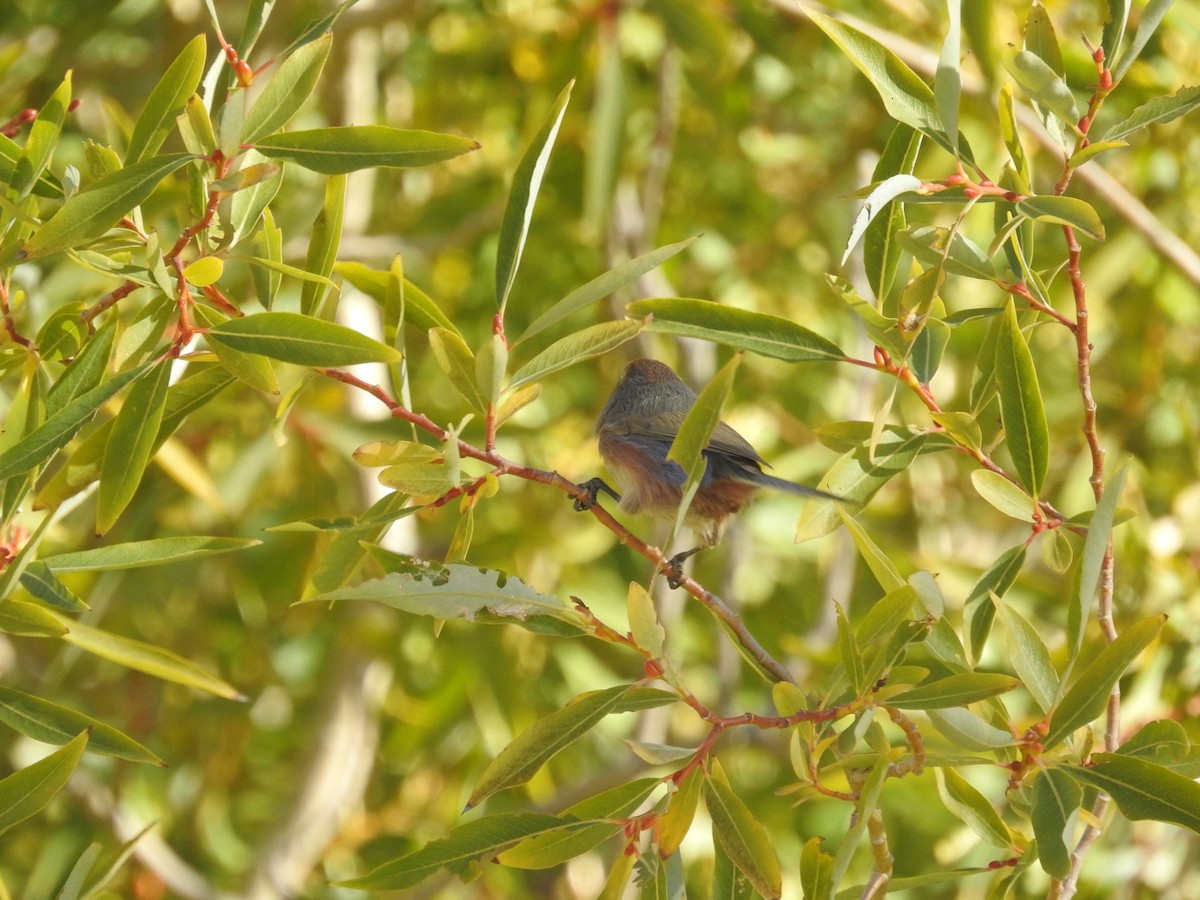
pixel 635 431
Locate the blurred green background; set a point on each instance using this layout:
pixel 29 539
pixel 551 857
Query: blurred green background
pixel 738 121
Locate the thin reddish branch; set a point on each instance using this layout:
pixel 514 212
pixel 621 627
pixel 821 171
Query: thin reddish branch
pixel 109 299
pixel 9 325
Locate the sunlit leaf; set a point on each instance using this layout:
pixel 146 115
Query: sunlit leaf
pixel 167 101
pixel 343 149
pixel 130 445
pixel 972 807
pixel 587 343
pixel 1142 789
pixel 289 86
pixel 302 340
pixel 741 836
pixel 1056 797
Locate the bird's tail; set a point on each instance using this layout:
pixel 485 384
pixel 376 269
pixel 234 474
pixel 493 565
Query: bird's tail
pixel 779 484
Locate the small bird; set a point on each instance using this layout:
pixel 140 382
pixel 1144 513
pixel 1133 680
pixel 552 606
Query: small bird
pixel 635 431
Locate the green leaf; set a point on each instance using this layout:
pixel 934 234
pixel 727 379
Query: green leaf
pixel 53 724
pixel 1148 23
pixel 87 215
pixel 533 748
pixel 419 310
pixel 1091 151
pixel 1114 28
pixel 816 871
pixel 85 371
pixel 848 652
pixel 136 554
pixel 457 363
pixel 287 90
pixel 470 843
pixel 1029 657
pixel 681 811
pixel 968 804
pixel 881 195
pixel 204 271
pixel 1063 211
pixel 601 286
pixel 740 835
pixel 518 210
pixel 29 619
pixel 1163 742
pixel 460 591
pixel 302 340
pixel 969 731
pixel 1086 699
pixel 147 658
pixel 905 96
pixel 1142 789
pixel 761 333
pixel 955 690
pixel 952 249
pixel 420 479
pixel 131 445
pixel 323 244
pixel 1003 494
pixel 695 431
pixel 344 149
pixel 38 446
pixel 248 203
pixel 1040 40
pixel 1056 798
pixel 1021 407
pixel 979 610
pixel 167 101
pixel 28 790
pixel 39 146
pixel 491 364
pixel 10 154
pixel 1043 85
pixel 877 561
pixel 556 847
pixel 42 584
pixel 1095 548
pixel 881 251
pixel 947 80
pixel 644 626
pixel 595 340
pixel 1154 112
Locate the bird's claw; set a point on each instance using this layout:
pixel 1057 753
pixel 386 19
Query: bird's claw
pixel 674 573
pixel 592 488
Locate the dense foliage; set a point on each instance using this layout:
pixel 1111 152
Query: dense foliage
pixel 308 312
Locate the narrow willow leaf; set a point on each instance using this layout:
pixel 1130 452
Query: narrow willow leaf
pixel 344 149
pixel 1056 798
pixel 944 247
pixel 883 194
pixel 967 803
pixel 42 584
pixel 1087 698
pixel 1040 40
pixel 516 400
pixel 757 332
pixel 1091 151
pixel 518 210
pixel 741 836
pixel 10 152
pixel 130 445
pixel 1043 85
pixel 285 93
pixel 167 101
pixel 53 724
pixel 196 128
pixel 457 363
pixel 1021 407
pixel 816 871
pixel 1095 548
pixel 681 810
pixel 1142 789
pixel 969 731
pixel 85 371
pixel 491 363
pixel 979 610
pixel 248 204
pixel 696 429
pixel 905 96
pixel 955 690
pixel 1165 743
pixel 601 286
pixel 1063 211
pixel 302 340
pixel 1114 28
pixel 877 561
pixel 28 790
pixel 147 658
pixel 419 310
pixel 470 843
pixel 136 554
pixel 1003 494
pixel 29 619
pixel 42 140
pixel 606 131
pixel 460 591
pixel 947 80
pixel 323 244
pixel 419 479
pixel 37 447
pixel 557 847
pixel 101 205
pixel 881 251
pixel 534 747
pixel 1154 112
pixel 595 340
pixel 848 651
pixel 643 621
pixel 1148 23
pixel 1030 658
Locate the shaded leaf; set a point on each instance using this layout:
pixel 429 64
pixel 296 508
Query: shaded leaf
pixel 343 149
pixel 457 363
pixel 419 310
pixel 130 445
pixel 53 724
pixel 1063 211
pixel 1095 547
pixel 972 807
pixel 1021 407
pixel 39 580
pixel 1148 23
pixel 741 836
pixel 587 343
pixel 1142 789
pixel 28 790
pixel 1029 657
pixel 305 341
pixel 757 332
pixel 136 554
pixel 1056 798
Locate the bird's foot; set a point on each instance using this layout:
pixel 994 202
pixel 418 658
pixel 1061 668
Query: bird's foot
pixel 675 576
pixel 593 487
